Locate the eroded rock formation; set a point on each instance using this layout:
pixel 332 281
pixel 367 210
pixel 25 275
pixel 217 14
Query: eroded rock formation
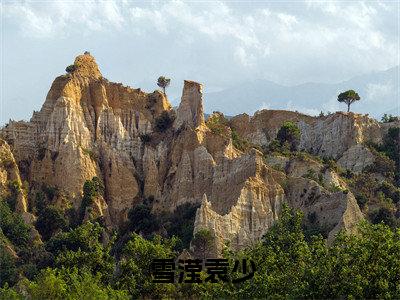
pixel 90 127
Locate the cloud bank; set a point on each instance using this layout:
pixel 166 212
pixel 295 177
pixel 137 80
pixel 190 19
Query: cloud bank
pixel 218 43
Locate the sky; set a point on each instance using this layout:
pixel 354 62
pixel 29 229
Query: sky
pixel 218 43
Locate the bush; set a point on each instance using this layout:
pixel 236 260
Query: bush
pixel 91 188
pixel 50 191
pixel 362 200
pixel 163 122
pixel 389 149
pixel 9 272
pixel 289 132
pixel 13 227
pixel 218 124
pixel 142 220
pixel 181 224
pixel 382 165
pixel 384 215
pixel 70 69
pixel 238 142
pixel 390 191
pixel 50 220
pixel 204 243
pixel 389 118
pixel 15 190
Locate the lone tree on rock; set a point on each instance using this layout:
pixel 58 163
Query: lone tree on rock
pixel 163 82
pixel 348 97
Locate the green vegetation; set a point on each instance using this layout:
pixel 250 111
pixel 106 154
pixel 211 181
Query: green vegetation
pixel 389 118
pixel 163 82
pixel 49 221
pixel 289 133
pixel 13 228
pixel 218 124
pixel 163 122
pixel 90 153
pixel 287 142
pixel 179 224
pixel 91 189
pixel 70 69
pixel 388 155
pixel 203 242
pixel 292 260
pixel 15 189
pixel 238 142
pixel 348 97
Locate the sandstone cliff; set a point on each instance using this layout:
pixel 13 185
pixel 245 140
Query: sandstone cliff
pixel 140 149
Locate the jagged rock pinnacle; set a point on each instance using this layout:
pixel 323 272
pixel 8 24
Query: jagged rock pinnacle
pixel 86 66
pixel 190 111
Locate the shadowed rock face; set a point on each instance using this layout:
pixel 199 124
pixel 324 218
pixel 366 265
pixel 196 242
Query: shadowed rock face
pixel 90 127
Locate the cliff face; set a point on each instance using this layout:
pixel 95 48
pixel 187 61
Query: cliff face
pixel 339 136
pixel 11 186
pixel 141 149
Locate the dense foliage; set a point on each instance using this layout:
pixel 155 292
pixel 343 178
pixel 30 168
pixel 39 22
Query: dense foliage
pixel 89 263
pixel 289 133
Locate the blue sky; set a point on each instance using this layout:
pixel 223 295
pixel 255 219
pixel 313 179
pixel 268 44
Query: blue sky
pixel 218 43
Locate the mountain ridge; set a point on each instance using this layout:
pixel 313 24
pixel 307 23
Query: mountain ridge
pixel 145 153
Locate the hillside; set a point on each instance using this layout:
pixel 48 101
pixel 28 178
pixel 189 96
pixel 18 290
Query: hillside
pixel 110 156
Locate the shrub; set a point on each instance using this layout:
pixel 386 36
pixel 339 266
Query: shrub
pixel 50 220
pixel 390 148
pixel 13 227
pixel 390 191
pixel 50 191
pixel 204 243
pixel 384 215
pixel 362 200
pixel 217 123
pixel 70 69
pixel 331 164
pixel 181 224
pixel 15 190
pixel 389 118
pixel 90 153
pixel 289 132
pixel 163 122
pixel 91 189
pixel 382 165
pixel 238 142
pixel 142 220
pixel 9 272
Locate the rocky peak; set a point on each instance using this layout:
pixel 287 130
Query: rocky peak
pixel 86 66
pixel 190 111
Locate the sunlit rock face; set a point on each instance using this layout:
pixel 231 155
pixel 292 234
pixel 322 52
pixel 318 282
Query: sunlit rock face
pixel 90 127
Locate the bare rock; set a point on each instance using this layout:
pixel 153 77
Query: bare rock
pixel 190 111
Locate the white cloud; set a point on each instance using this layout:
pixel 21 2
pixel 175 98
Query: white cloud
pixel 61 17
pixel 307 41
pixel 287 20
pixel 244 58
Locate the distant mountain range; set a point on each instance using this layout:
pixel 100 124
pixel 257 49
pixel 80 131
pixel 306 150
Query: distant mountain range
pixel 379 92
